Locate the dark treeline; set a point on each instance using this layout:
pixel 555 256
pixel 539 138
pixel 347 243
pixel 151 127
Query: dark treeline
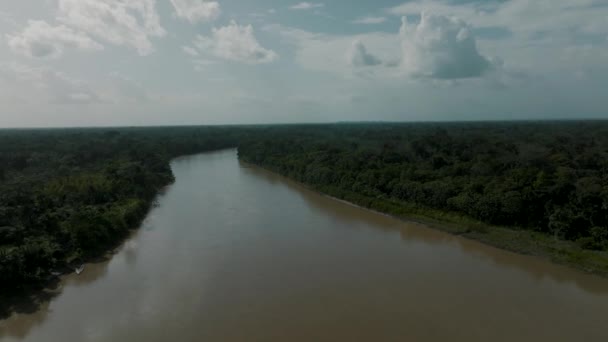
pixel 69 195
pixel 549 177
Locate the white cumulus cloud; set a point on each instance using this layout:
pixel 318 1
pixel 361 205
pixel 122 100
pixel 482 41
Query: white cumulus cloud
pixel 525 18
pixel 437 47
pixel 236 43
pixel 196 10
pixel 441 47
pixel 128 23
pixel 306 6
pixel 358 56
pixel 39 39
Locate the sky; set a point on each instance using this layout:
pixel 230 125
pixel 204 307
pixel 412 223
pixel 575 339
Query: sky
pixel 198 62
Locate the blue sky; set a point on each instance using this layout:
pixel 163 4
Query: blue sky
pixel 168 62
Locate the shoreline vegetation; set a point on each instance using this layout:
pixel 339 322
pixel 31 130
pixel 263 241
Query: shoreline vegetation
pixel 561 252
pixel 535 188
pixel 68 196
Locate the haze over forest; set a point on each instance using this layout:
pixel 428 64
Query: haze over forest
pixel 175 62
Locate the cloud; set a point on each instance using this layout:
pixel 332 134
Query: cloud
pixel 445 8
pixel 369 20
pixel 235 43
pixel 565 19
pixel 441 47
pixel 529 31
pixel 333 55
pixel 125 23
pixel 42 84
pixel 306 6
pixel 39 40
pixel 358 56
pixel 438 48
pixel 196 11
pixel 190 51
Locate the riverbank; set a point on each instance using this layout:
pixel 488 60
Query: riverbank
pixel 231 246
pixel 101 237
pixel 520 241
pixel 30 297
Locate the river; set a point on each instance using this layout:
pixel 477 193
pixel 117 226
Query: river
pixel 234 253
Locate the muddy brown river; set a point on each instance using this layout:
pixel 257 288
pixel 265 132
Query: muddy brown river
pixel 234 253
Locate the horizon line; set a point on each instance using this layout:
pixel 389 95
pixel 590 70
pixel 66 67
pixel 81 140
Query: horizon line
pixel 320 123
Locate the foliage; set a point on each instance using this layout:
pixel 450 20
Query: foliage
pixel 548 177
pixel 71 194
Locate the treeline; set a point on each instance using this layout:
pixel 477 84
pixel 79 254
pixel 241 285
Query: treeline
pixel 69 195
pixel 550 177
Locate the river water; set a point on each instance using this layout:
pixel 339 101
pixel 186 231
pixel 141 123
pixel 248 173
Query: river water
pixel 234 253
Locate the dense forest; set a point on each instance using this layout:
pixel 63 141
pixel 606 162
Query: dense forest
pixel 68 195
pixel 547 177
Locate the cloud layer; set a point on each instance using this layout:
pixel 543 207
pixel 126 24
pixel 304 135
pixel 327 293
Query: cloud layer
pixel 235 43
pixel 39 40
pixel 196 11
pixel 84 24
pixel 126 23
pixel 566 18
pixel 351 57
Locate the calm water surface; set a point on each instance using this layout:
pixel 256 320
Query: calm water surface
pixel 234 253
